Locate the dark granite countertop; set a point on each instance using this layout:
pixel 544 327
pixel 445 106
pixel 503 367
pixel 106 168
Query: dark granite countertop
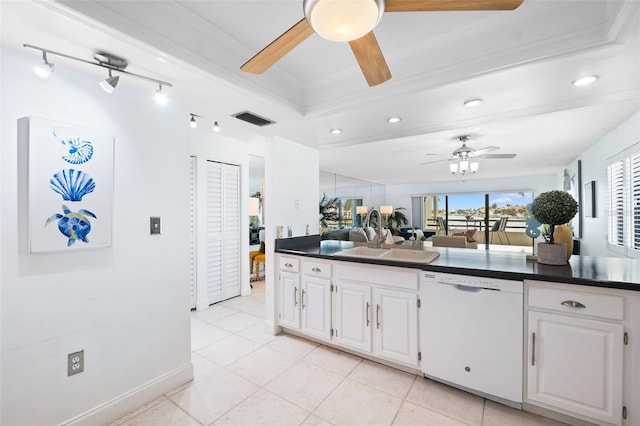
pixel 610 272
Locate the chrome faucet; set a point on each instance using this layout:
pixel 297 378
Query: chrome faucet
pixel 381 236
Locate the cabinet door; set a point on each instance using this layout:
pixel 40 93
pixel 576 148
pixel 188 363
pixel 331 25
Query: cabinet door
pixel 316 307
pixel 352 325
pixel 395 318
pixel 289 300
pixel 575 364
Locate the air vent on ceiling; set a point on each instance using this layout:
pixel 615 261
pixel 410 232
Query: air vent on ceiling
pixel 252 118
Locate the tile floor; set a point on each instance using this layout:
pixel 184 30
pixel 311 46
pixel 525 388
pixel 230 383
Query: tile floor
pixel 243 376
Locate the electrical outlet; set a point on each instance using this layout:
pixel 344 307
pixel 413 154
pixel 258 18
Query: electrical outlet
pixel 75 363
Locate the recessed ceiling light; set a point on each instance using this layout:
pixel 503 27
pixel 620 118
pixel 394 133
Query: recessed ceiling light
pixel 585 81
pixel 473 102
pixel 336 131
pixel 394 120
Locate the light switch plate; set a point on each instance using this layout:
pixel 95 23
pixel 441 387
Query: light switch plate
pixel 154 222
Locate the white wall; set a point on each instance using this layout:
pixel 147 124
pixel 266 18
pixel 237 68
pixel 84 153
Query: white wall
pixel 594 168
pixel 291 199
pixel 126 305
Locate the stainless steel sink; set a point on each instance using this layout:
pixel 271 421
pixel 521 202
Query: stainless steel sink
pixel 398 255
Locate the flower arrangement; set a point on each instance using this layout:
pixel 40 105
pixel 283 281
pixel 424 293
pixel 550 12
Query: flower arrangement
pixel 554 208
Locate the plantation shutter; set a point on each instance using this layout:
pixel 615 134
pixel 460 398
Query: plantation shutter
pixel 192 230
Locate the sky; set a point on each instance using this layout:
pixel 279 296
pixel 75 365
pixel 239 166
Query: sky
pixel 470 201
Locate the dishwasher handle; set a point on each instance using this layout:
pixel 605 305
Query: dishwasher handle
pixel 472 289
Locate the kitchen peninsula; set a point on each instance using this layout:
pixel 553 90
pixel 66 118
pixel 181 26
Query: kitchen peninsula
pixel 555 340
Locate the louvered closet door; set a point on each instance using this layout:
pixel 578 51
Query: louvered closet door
pixel 223 231
pixel 192 231
pixel 231 231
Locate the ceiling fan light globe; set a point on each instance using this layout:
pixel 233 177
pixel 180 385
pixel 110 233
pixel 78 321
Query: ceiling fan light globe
pixel 474 166
pixel 453 167
pixel 343 20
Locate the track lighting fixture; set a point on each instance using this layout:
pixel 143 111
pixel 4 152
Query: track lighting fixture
pixel 45 69
pixel 109 84
pixel 193 123
pixel 100 59
pixel 161 98
pixel 216 127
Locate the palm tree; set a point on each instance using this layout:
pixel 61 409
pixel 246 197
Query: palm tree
pixel 397 220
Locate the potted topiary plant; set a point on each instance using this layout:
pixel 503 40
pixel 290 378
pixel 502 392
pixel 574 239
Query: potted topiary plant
pixel 555 208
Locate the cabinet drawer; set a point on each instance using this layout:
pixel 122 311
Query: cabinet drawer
pixel 289 264
pixel 577 302
pixel 316 269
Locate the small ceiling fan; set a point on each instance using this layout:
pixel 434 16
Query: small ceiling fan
pixel 353 21
pixel 466 153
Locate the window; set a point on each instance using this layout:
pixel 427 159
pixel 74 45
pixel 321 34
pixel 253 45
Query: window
pixel 623 202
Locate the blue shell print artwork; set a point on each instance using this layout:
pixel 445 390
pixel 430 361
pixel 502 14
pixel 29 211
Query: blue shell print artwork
pixel 73 225
pixel 74 150
pixel 72 184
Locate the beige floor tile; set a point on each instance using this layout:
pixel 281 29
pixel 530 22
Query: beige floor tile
pixel 333 360
pixel 313 420
pixel 305 384
pixel 292 345
pixel 446 400
pixel 500 415
pixel 197 323
pixel 204 336
pixel 257 312
pixel 129 416
pixel 262 365
pixel 412 415
pixel 214 313
pixel 264 408
pixel 256 333
pixel 237 322
pixel 228 350
pixel 202 367
pixel 241 303
pixel 383 378
pixel 165 413
pixel 211 397
pixel 353 403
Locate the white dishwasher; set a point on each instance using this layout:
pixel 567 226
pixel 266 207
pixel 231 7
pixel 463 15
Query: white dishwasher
pixel 471 334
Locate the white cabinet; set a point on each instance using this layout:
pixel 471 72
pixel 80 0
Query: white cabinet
pixel 352 315
pixel 376 311
pixel 575 353
pixel 305 300
pixel 315 303
pixel 396 325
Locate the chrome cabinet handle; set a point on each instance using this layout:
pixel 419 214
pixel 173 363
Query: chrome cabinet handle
pixel 302 299
pixel 317 270
pixel 288 265
pixel 533 349
pixel 572 304
pixel 295 296
pixel 377 316
pixel 368 306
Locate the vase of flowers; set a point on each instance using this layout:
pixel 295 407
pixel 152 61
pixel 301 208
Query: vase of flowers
pixel 555 208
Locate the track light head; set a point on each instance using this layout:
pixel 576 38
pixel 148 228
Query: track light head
pixel 216 127
pixel 193 123
pixel 161 98
pixel 109 84
pixel 45 69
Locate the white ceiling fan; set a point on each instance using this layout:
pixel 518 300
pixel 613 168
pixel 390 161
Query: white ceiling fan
pixel 462 159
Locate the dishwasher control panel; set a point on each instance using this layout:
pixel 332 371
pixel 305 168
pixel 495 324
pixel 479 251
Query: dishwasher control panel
pixel 470 281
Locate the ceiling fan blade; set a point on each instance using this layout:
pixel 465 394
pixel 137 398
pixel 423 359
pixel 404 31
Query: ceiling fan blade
pixel 484 150
pixel 278 48
pixel 369 56
pixel 498 156
pixel 449 5
pixel 436 161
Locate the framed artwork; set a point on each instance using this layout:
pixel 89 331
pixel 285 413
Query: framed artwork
pixel 573 185
pixel 589 198
pixel 70 186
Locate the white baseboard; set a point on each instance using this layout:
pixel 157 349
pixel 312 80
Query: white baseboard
pixel 272 328
pixel 119 406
